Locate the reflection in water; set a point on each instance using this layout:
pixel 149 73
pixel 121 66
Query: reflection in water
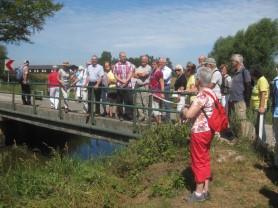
pixel 92 148
pixel 42 140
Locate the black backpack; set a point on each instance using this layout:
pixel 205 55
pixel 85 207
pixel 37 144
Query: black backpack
pixel 247 88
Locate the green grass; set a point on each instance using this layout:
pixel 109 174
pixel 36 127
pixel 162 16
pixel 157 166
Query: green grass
pixel 65 182
pixel 149 172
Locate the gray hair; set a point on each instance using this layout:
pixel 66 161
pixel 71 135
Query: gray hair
pixel 238 58
pixel 204 76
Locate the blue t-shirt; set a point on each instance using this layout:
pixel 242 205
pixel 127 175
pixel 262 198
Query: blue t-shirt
pixel 275 97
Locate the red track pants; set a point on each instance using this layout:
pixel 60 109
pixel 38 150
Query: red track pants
pixel 200 157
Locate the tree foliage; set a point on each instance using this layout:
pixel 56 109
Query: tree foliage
pixel 258 44
pixel 106 56
pixel 19 19
pixel 3 56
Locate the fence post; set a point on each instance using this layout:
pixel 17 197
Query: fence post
pixel 92 100
pixel 34 102
pixel 150 110
pixel 13 97
pixel 134 95
pixel 60 103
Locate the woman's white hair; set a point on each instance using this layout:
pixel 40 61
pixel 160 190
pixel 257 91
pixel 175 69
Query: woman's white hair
pixel 204 76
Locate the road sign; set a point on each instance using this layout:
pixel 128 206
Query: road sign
pixel 9 65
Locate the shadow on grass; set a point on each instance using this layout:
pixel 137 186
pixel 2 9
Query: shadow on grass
pixel 271 195
pixel 270 172
pixel 188 179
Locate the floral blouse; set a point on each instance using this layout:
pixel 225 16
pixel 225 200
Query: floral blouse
pixel 205 101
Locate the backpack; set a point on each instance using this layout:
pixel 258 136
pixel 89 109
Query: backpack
pixel 219 119
pixel 247 88
pixel 274 93
pixel 19 74
pixel 224 86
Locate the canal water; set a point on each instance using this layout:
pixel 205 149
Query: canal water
pixel 44 141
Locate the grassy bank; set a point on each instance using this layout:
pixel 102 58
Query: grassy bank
pixel 150 172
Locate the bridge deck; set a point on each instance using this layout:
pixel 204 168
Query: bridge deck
pixel 75 121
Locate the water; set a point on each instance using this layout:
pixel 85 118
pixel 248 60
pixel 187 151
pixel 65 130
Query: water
pixel 42 140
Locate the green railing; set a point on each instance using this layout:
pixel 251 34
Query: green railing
pixel 13 88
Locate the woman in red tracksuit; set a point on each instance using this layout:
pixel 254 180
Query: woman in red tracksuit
pixel 201 135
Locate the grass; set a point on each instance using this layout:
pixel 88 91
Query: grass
pixel 151 172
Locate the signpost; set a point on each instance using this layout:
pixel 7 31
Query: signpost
pixel 9 67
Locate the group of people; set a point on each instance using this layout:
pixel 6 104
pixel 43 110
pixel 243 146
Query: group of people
pixel 236 93
pixel 195 89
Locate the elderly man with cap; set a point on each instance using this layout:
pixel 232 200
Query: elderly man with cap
pixel 240 92
pixel 64 80
pixel 216 78
pixel 25 84
pixel 53 86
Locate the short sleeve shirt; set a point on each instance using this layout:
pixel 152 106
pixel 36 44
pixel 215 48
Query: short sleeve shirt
pixel 111 79
pixel 80 76
pixel 154 81
pixel 122 70
pixel 261 86
pixel 94 73
pixel 53 79
pixel 216 79
pixel 190 82
pixel 180 82
pixel 203 100
pixel 167 75
pixel 143 80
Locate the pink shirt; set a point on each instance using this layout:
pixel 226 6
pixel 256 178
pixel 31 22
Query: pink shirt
pixel 200 123
pixel 122 71
pixel 154 81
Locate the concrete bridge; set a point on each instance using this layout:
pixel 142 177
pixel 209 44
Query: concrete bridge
pixel 74 122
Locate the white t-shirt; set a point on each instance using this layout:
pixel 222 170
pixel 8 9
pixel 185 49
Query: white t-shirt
pixel 216 79
pixel 167 75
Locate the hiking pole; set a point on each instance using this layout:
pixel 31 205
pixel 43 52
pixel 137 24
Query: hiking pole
pixel 261 123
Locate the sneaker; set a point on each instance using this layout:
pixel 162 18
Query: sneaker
pixel 194 198
pixel 206 195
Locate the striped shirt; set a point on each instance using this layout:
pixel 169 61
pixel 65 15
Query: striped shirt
pixel 122 70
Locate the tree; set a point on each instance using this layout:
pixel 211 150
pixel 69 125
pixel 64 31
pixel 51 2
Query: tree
pixel 105 56
pixel 20 19
pixel 3 56
pixel 258 44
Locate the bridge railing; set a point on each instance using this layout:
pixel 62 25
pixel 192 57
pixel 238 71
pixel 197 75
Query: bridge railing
pixel 13 88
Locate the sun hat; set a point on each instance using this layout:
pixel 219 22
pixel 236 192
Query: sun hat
pixel 65 63
pixel 210 61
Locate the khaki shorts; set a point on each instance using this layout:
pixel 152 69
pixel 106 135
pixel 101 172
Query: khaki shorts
pixel 240 110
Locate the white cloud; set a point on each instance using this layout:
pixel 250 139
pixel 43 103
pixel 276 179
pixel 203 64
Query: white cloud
pixel 165 30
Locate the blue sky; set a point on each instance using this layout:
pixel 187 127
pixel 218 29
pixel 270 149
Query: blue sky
pixel 179 29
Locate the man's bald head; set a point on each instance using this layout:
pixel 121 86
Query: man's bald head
pixel 144 60
pixel 162 62
pixel 122 56
pixel 202 59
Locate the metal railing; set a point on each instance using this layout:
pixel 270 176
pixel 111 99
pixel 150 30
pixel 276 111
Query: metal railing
pixel 93 102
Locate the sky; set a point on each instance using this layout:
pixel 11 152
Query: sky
pixel 179 29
